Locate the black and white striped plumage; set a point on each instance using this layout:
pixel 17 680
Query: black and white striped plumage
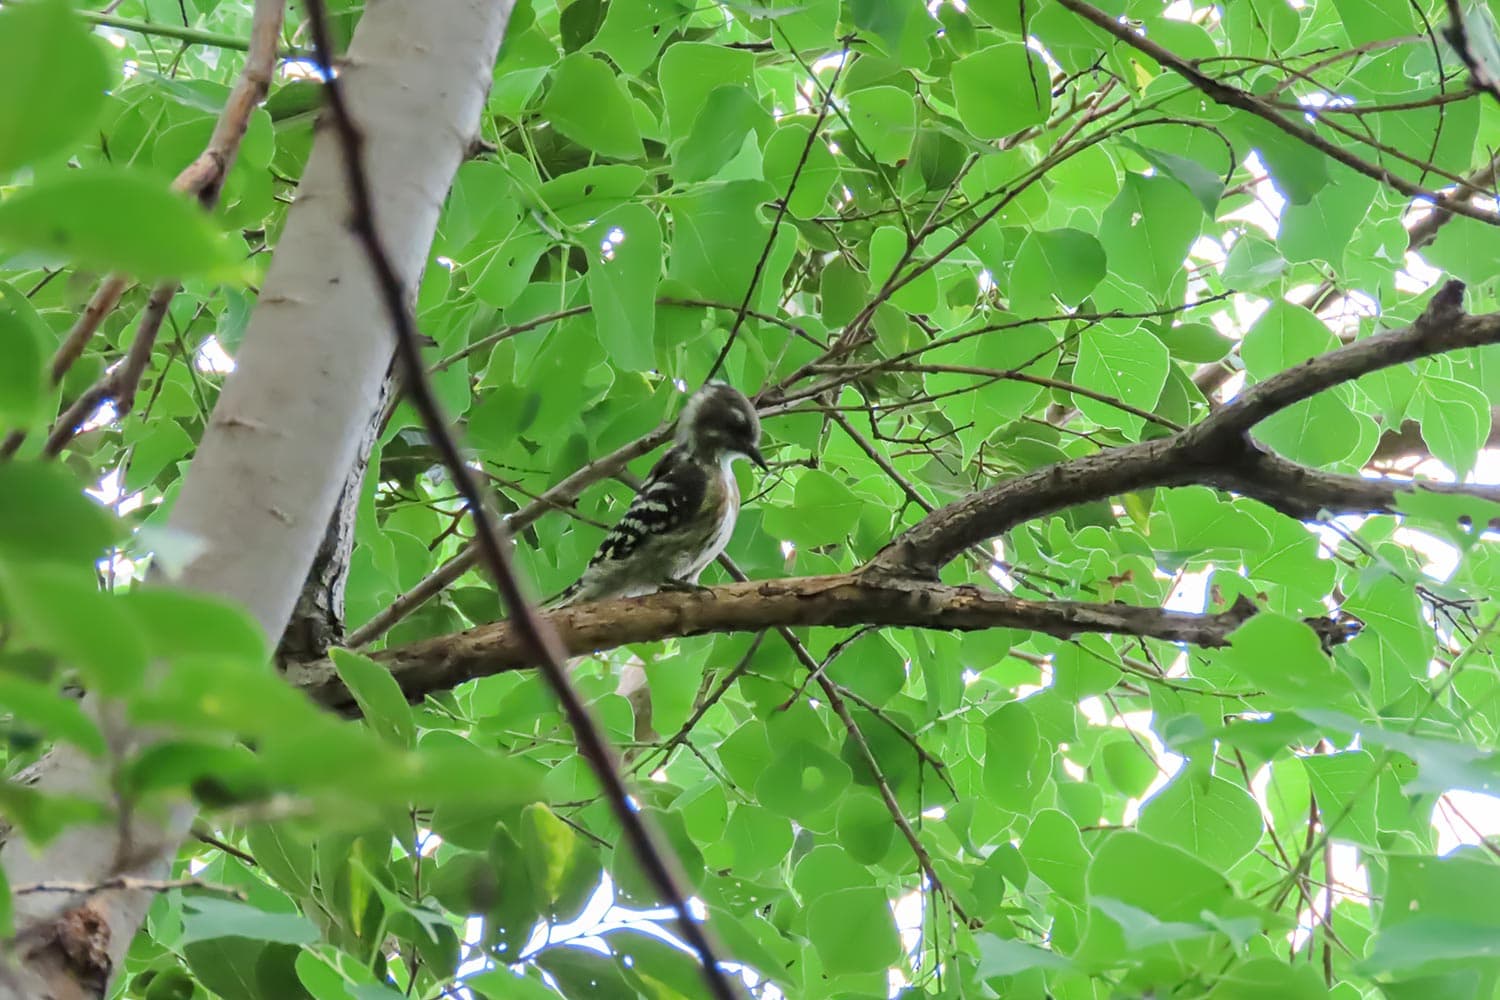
pixel 684 513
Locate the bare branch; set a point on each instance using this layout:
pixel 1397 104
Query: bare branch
pixel 1216 451
pixel 846 599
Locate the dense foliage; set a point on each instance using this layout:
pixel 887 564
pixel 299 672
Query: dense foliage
pixel 988 238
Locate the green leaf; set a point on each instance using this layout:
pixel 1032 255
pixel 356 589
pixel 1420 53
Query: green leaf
pixel 729 115
pixel 205 918
pixel 824 513
pixel 1345 790
pixel 61 613
pixel 1196 342
pixel 1130 768
pixel 1214 819
pixel 1003 14
pixel 622 282
pixel 660 969
pixel 44 515
pixel 227 966
pixel 587 104
pixel 888 247
pixel 853 931
pixel 1317 432
pixel 1414 943
pixel 1016 761
pixel 1054 852
pixel 690 71
pixel 1455 420
pixel 1466 249
pixel 1192 521
pixel 1142 930
pixel 179 623
pixel 1125 365
pixel 820 171
pixel 1284 336
pixel 864 827
pixel 23 345
pixel 380 699
pixel 504 271
pixel 48 55
pixel 1322 228
pixel 717 236
pixel 1368 21
pixel 502 984
pixel 564 868
pixel 114 219
pixel 283 854
pixel 633 33
pixel 885 119
pixel 1252 264
pixel 1442 764
pixel 34 704
pixel 757 839
pixel 581 972
pixel 1147 230
pixel 1202 182
pixel 1166 882
pixel 159 446
pixel 1000 957
pixel 802 781
pixel 1065 263
pixel 1001 90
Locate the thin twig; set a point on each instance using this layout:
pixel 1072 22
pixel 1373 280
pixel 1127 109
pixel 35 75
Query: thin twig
pixel 126 883
pixel 781 210
pixel 1234 97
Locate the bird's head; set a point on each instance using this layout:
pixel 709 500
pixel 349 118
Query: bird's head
pixel 719 421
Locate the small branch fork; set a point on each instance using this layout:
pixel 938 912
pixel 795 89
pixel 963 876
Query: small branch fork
pixel 204 180
pixel 533 631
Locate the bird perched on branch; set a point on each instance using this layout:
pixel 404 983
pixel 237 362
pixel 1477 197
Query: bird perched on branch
pixel 684 513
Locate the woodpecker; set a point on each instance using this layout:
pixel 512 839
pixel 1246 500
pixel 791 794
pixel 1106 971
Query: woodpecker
pixel 684 513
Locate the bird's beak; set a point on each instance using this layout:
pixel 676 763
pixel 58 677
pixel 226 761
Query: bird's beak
pixel 754 455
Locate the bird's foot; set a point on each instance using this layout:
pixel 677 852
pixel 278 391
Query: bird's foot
pixel 684 586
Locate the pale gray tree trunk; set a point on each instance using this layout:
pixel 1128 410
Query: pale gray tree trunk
pixel 286 431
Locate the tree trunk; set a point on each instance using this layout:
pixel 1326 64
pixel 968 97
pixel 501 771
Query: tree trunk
pixel 283 437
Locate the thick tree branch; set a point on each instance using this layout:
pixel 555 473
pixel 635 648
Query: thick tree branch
pixel 846 599
pixel 1216 452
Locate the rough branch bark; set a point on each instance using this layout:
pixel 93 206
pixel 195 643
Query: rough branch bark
pixel 841 600
pixel 1216 451
pixel 283 435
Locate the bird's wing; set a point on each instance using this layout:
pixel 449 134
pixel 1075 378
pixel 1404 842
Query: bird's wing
pixel 671 496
